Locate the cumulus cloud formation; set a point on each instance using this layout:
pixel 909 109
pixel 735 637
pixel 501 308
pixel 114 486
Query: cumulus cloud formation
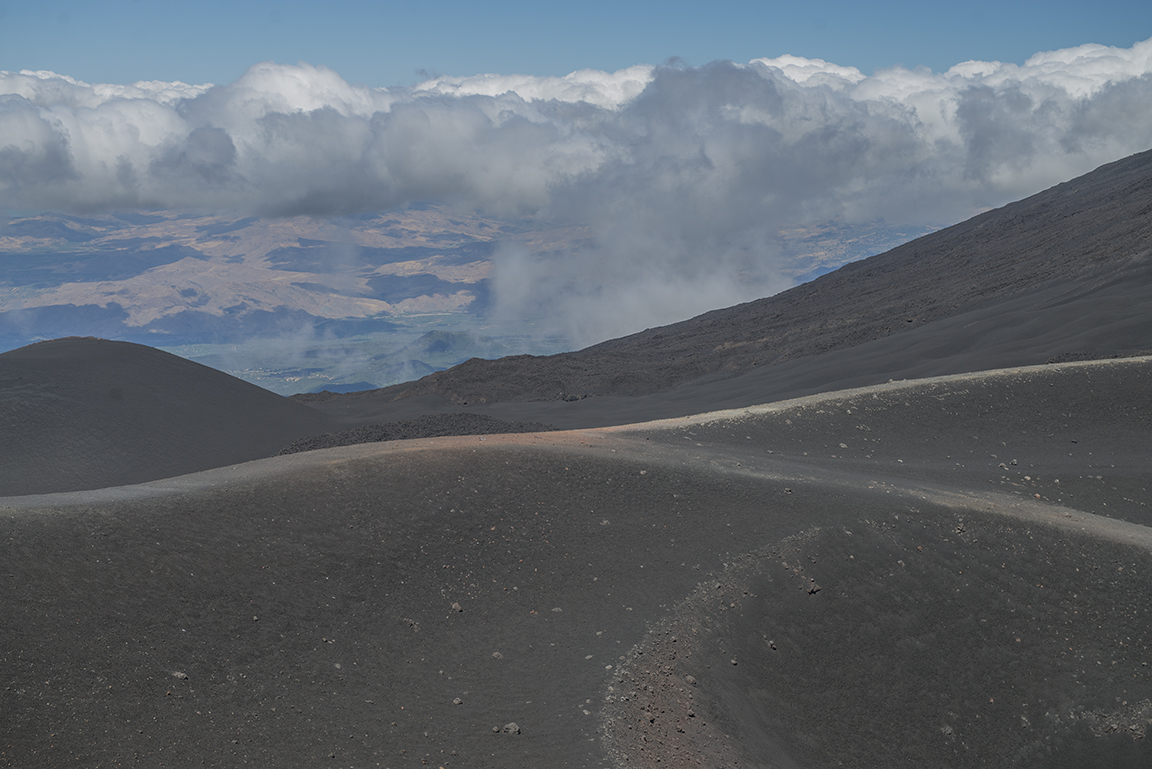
pixel 601 89
pixel 682 174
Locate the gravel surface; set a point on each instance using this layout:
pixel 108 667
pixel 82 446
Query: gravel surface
pixel 428 426
pixel 904 576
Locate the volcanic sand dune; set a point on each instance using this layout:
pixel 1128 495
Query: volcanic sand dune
pixel 944 572
pixel 88 413
pixel 82 413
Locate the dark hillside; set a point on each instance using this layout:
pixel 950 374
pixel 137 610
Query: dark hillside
pixel 84 413
pixel 1096 228
pixel 942 573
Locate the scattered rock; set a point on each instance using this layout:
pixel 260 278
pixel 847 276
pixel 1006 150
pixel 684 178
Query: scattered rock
pixel 181 676
pixel 511 728
pixel 457 701
pixel 457 607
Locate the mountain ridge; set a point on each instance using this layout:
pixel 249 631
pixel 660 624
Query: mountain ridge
pixel 1023 246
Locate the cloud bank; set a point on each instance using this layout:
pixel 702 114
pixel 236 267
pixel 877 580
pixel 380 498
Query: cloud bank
pixel 683 174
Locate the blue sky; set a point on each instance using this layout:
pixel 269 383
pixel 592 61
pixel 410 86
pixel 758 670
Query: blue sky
pixel 394 43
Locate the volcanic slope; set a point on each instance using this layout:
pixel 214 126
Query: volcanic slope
pixel 1066 272
pixel 1071 265
pixel 82 413
pixel 950 572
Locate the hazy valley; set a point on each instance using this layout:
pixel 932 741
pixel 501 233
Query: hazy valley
pixel 300 304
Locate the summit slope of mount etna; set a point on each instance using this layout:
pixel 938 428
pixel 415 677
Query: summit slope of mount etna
pixel 1075 259
pixel 945 571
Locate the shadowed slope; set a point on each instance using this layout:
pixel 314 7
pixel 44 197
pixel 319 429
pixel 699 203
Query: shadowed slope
pixel 1095 228
pixel 400 604
pixel 1059 321
pixel 85 413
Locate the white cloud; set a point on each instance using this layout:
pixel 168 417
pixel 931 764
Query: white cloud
pixel 813 71
pixel 683 175
pixel 48 89
pixel 608 90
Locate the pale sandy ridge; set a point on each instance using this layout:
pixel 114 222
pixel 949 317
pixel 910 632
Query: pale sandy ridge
pixel 911 385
